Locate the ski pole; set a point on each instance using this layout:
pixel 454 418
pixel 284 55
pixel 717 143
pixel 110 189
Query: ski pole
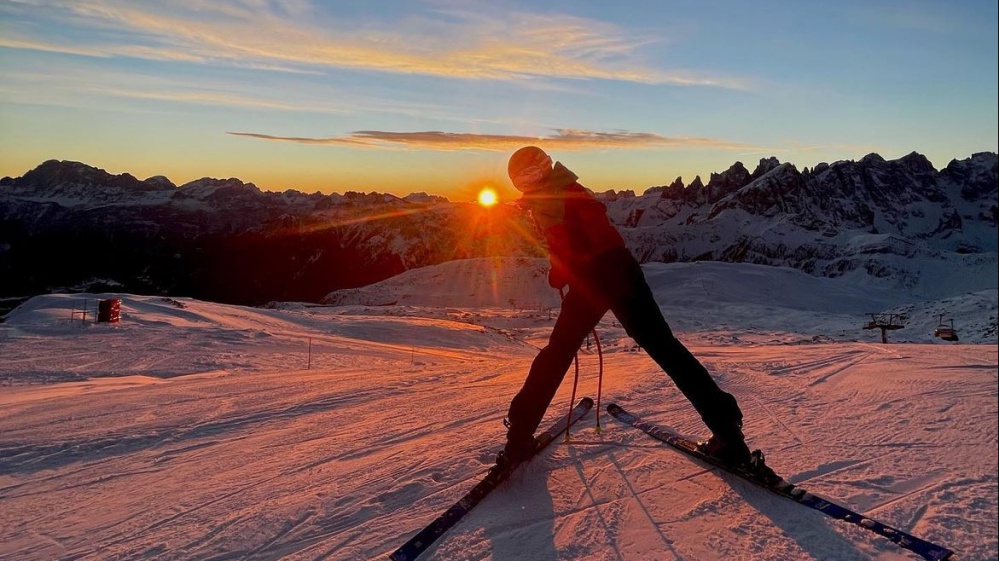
pixel 572 400
pixel 575 382
pixel 600 375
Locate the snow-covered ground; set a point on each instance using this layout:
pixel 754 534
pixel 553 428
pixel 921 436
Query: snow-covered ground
pixel 194 430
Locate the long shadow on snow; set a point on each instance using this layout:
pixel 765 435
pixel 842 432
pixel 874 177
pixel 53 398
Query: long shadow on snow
pixel 534 531
pixel 811 530
pixel 24 458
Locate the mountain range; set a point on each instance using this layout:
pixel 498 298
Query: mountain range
pixel 68 226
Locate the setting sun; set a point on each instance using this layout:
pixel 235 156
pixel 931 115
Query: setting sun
pixel 487 197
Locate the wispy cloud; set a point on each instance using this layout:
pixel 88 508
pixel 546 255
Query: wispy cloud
pixel 562 140
pixel 62 83
pixel 464 43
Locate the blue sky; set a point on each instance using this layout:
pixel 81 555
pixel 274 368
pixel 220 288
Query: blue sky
pixel 407 96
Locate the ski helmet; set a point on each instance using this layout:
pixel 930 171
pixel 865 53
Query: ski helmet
pixel 528 168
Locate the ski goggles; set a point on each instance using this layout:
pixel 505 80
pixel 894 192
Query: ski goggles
pixel 530 176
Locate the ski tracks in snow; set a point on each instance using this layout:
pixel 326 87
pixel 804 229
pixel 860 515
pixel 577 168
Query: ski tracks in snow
pixel 347 460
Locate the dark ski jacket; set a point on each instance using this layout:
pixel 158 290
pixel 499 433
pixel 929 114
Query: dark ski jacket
pixel 574 224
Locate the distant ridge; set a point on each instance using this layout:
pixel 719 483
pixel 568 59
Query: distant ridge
pixel 900 221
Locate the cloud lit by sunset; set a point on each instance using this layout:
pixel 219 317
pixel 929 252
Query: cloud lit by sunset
pixel 560 140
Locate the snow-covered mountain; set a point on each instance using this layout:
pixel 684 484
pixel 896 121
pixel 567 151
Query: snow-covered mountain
pixel 874 216
pixel 226 240
pixel 901 221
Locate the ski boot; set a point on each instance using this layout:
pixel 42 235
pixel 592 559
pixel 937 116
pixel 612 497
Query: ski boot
pixel 519 447
pixel 758 467
pixel 728 447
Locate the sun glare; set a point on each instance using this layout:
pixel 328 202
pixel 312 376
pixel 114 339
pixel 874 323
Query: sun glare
pixel 488 197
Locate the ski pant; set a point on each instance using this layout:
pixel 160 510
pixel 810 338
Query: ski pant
pixel 614 281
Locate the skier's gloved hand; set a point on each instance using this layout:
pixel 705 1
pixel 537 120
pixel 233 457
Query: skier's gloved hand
pixel 557 278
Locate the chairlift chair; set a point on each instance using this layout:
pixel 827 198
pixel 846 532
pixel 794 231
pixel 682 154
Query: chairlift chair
pixel 944 332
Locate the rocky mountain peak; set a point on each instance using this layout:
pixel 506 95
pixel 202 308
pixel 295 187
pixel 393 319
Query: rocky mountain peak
pixel 977 177
pixel 872 159
pixel 64 175
pixel 765 165
pixel 721 184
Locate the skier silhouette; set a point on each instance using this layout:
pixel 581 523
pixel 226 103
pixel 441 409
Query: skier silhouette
pixel 588 256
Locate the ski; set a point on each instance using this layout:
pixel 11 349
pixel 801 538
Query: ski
pixel 921 547
pixel 419 543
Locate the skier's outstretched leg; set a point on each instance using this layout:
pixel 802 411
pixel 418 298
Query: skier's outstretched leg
pixel 641 318
pixel 576 320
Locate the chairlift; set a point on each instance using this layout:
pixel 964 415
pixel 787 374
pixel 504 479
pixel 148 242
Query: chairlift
pixel 944 332
pixel 885 322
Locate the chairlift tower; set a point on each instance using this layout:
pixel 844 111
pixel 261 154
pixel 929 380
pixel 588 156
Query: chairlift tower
pixel 886 323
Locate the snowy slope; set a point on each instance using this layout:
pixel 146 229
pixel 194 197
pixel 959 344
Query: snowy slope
pixel 704 297
pixel 194 430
